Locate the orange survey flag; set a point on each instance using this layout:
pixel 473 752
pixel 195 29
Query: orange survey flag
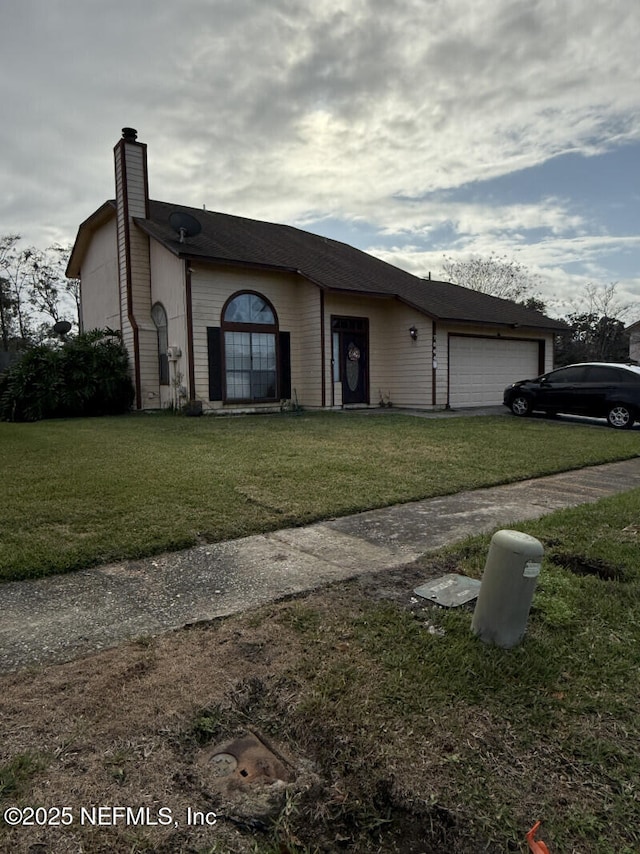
pixel 536 847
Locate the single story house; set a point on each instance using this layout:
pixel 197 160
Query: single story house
pixel 238 314
pixel 634 341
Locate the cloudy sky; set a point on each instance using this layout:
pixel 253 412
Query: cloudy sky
pixel 413 129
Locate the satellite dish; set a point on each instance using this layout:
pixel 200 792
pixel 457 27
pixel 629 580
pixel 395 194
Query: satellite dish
pixel 62 327
pixel 184 224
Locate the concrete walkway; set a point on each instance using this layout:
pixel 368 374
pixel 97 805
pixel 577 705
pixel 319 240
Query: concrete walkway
pixel 59 618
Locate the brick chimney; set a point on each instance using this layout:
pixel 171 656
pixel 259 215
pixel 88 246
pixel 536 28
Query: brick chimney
pixel 138 330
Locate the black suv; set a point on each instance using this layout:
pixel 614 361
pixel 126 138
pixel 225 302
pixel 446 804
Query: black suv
pixel 595 388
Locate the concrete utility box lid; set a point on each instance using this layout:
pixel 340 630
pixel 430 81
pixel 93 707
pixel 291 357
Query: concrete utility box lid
pixel 246 760
pixel 245 778
pixel 449 590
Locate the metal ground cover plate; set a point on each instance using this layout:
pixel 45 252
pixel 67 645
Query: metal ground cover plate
pixel 449 590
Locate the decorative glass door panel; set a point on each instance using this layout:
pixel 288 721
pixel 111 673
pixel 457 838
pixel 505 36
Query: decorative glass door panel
pixel 351 334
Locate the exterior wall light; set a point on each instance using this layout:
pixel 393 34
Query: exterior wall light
pixel 413 332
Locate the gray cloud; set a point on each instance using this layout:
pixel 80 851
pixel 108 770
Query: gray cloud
pixel 351 109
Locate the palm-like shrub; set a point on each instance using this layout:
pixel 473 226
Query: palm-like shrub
pixel 87 375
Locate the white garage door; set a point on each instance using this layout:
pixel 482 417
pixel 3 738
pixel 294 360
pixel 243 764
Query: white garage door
pixel 481 368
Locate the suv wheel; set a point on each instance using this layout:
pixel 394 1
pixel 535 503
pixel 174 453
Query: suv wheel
pixel 620 416
pixel 521 405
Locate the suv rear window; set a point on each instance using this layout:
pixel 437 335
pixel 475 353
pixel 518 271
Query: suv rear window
pixel 604 374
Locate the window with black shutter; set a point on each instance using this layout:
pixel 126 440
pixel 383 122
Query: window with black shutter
pixel 250 349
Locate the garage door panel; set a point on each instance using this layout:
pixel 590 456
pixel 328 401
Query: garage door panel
pixel 481 368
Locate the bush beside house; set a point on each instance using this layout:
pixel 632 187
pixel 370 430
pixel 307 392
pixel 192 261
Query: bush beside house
pixel 88 375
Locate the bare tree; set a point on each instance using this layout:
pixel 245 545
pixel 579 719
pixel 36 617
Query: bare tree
pixel 45 283
pixel 7 314
pixel 14 320
pixel 604 301
pixel 498 276
pixel 34 292
pixel 51 294
pixel 596 331
pixel 7 304
pixel 72 287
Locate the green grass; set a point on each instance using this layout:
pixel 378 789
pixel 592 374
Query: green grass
pixel 423 740
pixel 489 739
pixel 81 492
pixel 16 775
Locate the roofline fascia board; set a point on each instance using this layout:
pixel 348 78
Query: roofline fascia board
pixel 353 292
pixel 99 217
pixel 226 262
pixel 503 324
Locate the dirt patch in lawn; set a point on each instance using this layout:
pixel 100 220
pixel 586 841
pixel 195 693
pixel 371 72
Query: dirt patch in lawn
pixel 582 565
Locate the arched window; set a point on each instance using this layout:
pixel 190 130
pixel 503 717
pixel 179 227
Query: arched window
pixel 250 330
pixel 159 317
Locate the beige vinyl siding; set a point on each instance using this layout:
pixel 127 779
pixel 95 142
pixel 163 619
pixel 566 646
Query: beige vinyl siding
pixel 168 288
pixel 147 336
pixel 121 220
pixel 140 309
pixel 295 302
pixel 405 365
pixel 399 368
pixel 442 378
pixel 306 360
pixel 141 294
pixel 99 280
pixel 136 180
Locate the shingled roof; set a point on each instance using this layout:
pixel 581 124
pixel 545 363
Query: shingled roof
pixel 330 264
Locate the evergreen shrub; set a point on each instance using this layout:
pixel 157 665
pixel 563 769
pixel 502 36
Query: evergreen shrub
pixel 88 375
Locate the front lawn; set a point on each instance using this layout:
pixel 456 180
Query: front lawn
pixel 406 733
pixel 88 491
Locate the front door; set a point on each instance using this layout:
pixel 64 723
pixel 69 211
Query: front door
pixel 353 348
